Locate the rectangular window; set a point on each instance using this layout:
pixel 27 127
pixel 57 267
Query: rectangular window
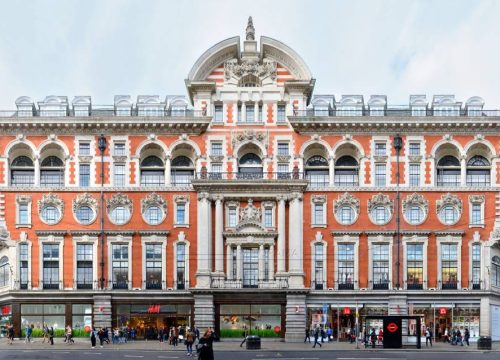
pixel 414 266
pixel 153 266
pixel 216 148
pixel 380 176
pixel 51 266
pixel 414 148
pixel 119 175
pixel 449 263
pixel 23 266
pixel 218 114
pixel 84 148
pixel 119 149
pixel 380 149
pixel 250 113
pixel 318 267
pixel 266 264
pixel 84 175
pixel 235 262
pixel 260 114
pixel 84 267
pixel 239 113
pixel 380 266
pixel 318 214
pixel 23 214
pixel 476 215
pixel 414 175
pixel 281 113
pixel 231 217
pixel 345 266
pixel 181 266
pixel 476 266
pixel 216 171
pixel 268 217
pixel 120 266
pixel 283 149
pixel 283 171
pixel 180 216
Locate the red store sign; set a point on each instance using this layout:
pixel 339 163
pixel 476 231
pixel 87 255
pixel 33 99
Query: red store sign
pixel 347 311
pixel 6 310
pixel 442 311
pixel 154 309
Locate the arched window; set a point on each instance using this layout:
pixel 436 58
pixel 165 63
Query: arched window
pixel 478 171
pixel 22 172
pixel 346 171
pixel 495 271
pixel 4 271
pixel 448 171
pixel 250 167
pixel 152 171
pixel 317 171
pixel 182 170
pixel 52 172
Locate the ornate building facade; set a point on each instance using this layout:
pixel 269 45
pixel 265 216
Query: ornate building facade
pixel 250 204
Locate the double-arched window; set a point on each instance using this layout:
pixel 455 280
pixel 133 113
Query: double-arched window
pixel 346 171
pixel 152 171
pixel 182 170
pixel 52 172
pixel 22 172
pixel 478 171
pixel 448 171
pixel 317 171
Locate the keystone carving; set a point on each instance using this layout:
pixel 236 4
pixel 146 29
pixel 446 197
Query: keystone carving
pixel 119 200
pixel 346 199
pixel 380 200
pixel 449 200
pixel 418 200
pixel 153 199
pixel 248 67
pixel 85 199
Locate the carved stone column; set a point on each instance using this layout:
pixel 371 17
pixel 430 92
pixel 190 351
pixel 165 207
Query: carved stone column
pixel 271 263
pixel 295 246
pixel 463 171
pixel 219 240
pixel 229 262
pixel 243 117
pixel 204 241
pixel 261 262
pixel 281 235
pixel 167 170
pixel 331 164
pixel 238 263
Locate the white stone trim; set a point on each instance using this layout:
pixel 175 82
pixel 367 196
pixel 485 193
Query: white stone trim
pixel 27 200
pixel 51 239
pixel 85 239
pixel 379 240
pixel 346 239
pixel 181 239
pixel 450 239
pixel 415 239
pixel 119 239
pixel 154 240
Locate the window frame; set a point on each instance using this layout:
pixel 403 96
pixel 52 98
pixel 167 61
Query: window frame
pixel 179 201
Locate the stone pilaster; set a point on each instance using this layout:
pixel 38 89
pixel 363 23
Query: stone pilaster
pixel 219 240
pixel 281 252
pixel 295 246
pixel 203 311
pixel 204 247
pixel 485 317
pixel 102 311
pixel 296 314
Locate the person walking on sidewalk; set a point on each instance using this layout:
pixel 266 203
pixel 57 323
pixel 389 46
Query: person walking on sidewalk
pixel 316 337
pixel 428 336
pixel 466 336
pixel 373 338
pixel 93 337
pixel 308 336
pixel 11 334
pixel 245 335
pixel 189 342
pixel 51 335
pixel 206 346
pixel 459 338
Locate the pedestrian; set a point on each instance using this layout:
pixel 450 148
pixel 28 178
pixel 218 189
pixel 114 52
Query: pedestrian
pixel 27 334
pixel 69 335
pixel 245 334
pixel 51 335
pixel 45 333
pixel 101 335
pixel 380 337
pixel 93 337
pixel 466 336
pixel 205 346
pixel 11 334
pixel 316 336
pixel 308 336
pixel 373 338
pixel 446 337
pixel 459 338
pixel 428 336
pixel 189 342
pixel 322 333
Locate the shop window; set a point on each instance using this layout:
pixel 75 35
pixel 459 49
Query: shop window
pixel 154 266
pixel 50 266
pixel 255 319
pixel 23 266
pixel 119 175
pixel 414 266
pixel 4 271
pixel 345 266
pixel 449 266
pixel 476 266
pixel 181 266
pixel 82 317
pixel 53 315
pixel 120 266
pixel 380 266
pixel 84 266
pixel 84 175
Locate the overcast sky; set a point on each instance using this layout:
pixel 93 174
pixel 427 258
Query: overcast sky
pixel 103 48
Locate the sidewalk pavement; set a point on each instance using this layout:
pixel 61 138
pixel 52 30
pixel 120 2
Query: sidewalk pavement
pixel 228 345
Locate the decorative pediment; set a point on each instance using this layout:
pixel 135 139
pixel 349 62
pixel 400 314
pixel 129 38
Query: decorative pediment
pixel 283 158
pixel 414 158
pixel 318 199
pixel 180 199
pixel 416 199
pixel 23 199
pixel 476 199
pixel 153 199
pixel 380 200
pixel 52 200
pixel 449 200
pixel 119 200
pixel 85 199
pixel 249 135
pixel 216 158
pixel 250 67
pixel 346 199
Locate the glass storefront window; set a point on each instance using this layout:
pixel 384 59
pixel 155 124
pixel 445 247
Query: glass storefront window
pixel 31 309
pixel 258 319
pixel 54 309
pixel 38 315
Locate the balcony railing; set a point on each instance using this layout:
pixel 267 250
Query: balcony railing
pixel 153 285
pixel 103 111
pixel 414 285
pixel 345 286
pixel 449 285
pixel 181 285
pixel 51 285
pixel 257 176
pixel 398 112
pixel 281 283
pixel 86 285
pixel 380 285
pixel 119 285
pixel 475 285
pixel 318 285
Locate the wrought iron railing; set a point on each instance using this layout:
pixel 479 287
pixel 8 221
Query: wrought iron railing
pixel 104 111
pixel 257 176
pixel 279 283
pixel 403 112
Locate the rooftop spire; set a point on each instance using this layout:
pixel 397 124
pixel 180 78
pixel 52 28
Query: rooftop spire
pixel 250 29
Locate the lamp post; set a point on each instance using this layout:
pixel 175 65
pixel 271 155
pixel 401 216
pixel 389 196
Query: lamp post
pixel 102 147
pixel 398 144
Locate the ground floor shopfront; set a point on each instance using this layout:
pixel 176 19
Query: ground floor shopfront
pixel 283 314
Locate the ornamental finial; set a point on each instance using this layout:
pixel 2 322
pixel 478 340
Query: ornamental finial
pixel 250 29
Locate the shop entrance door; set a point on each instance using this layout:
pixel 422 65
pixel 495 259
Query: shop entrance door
pixel 250 267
